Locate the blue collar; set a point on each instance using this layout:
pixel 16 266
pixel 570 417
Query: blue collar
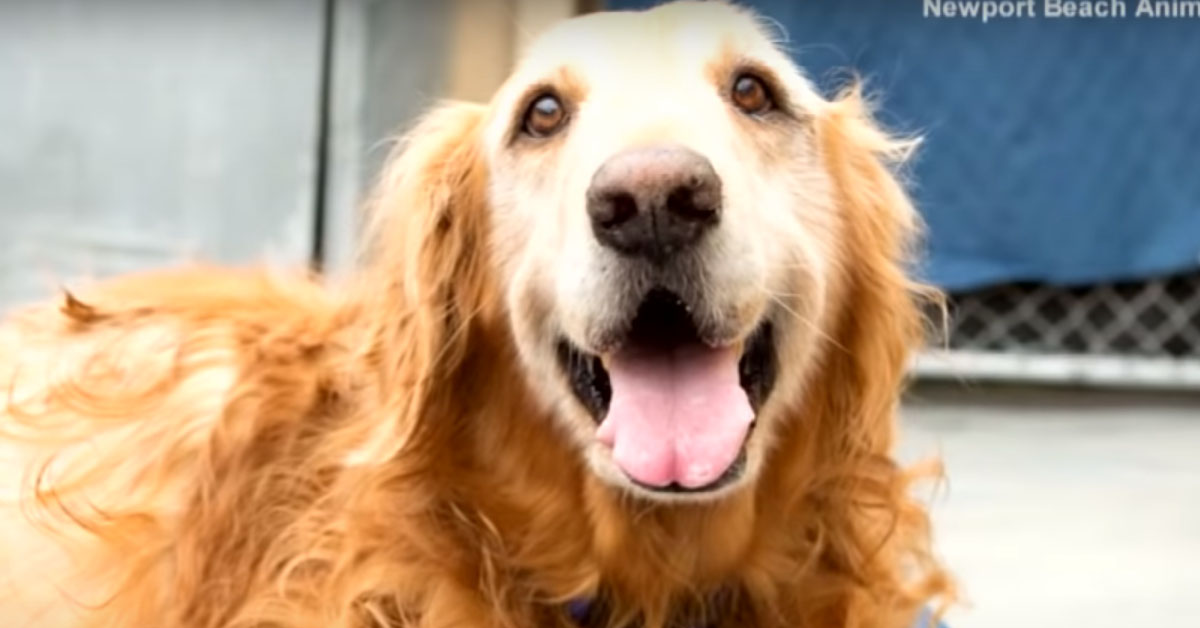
pixel 580 611
pixel 586 614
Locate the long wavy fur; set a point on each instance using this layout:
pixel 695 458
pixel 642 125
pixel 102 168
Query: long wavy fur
pixel 214 448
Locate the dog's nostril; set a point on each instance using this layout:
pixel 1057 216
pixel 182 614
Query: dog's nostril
pixel 690 203
pixel 619 208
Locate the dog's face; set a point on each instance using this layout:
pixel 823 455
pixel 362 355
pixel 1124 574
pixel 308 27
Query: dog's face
pixel 666 235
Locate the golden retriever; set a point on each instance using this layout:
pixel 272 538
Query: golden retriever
pixel 625 351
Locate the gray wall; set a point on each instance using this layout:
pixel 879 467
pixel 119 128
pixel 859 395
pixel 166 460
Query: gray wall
pixel 141 133
pixel 386 69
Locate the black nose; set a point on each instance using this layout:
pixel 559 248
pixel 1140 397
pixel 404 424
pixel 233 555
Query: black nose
pixel 654 202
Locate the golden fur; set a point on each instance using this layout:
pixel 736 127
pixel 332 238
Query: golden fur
pixel 215 448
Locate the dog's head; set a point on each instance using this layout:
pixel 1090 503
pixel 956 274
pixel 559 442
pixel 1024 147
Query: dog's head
pixel 674 218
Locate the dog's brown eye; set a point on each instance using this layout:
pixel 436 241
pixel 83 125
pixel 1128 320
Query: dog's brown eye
pixel 751 95
pixel 545 117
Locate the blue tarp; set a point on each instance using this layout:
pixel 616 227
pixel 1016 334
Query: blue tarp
pixel 1057 150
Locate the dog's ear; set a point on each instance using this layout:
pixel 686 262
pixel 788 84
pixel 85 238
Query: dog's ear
pixel 427 278
pixel 882 534
pixel 881 322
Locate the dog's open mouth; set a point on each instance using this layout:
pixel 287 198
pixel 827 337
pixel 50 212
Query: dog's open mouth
pixel 675 410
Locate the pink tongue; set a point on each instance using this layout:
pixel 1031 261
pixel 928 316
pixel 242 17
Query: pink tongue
pixel 676 416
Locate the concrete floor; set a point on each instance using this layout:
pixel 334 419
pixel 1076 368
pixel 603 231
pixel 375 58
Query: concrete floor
pixel 1065 509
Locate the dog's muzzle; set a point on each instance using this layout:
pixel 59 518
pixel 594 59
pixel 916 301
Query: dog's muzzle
pixel 675 410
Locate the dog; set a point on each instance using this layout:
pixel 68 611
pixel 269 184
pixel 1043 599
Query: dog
pixel 625 349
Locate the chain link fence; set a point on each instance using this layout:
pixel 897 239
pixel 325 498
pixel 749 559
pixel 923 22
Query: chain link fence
pixel 1122 334
pixel 1159 317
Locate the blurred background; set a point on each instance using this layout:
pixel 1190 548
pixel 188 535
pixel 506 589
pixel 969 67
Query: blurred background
pixel 1060 181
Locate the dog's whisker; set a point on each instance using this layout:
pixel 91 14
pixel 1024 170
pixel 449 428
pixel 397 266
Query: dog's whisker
pixel 803 320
